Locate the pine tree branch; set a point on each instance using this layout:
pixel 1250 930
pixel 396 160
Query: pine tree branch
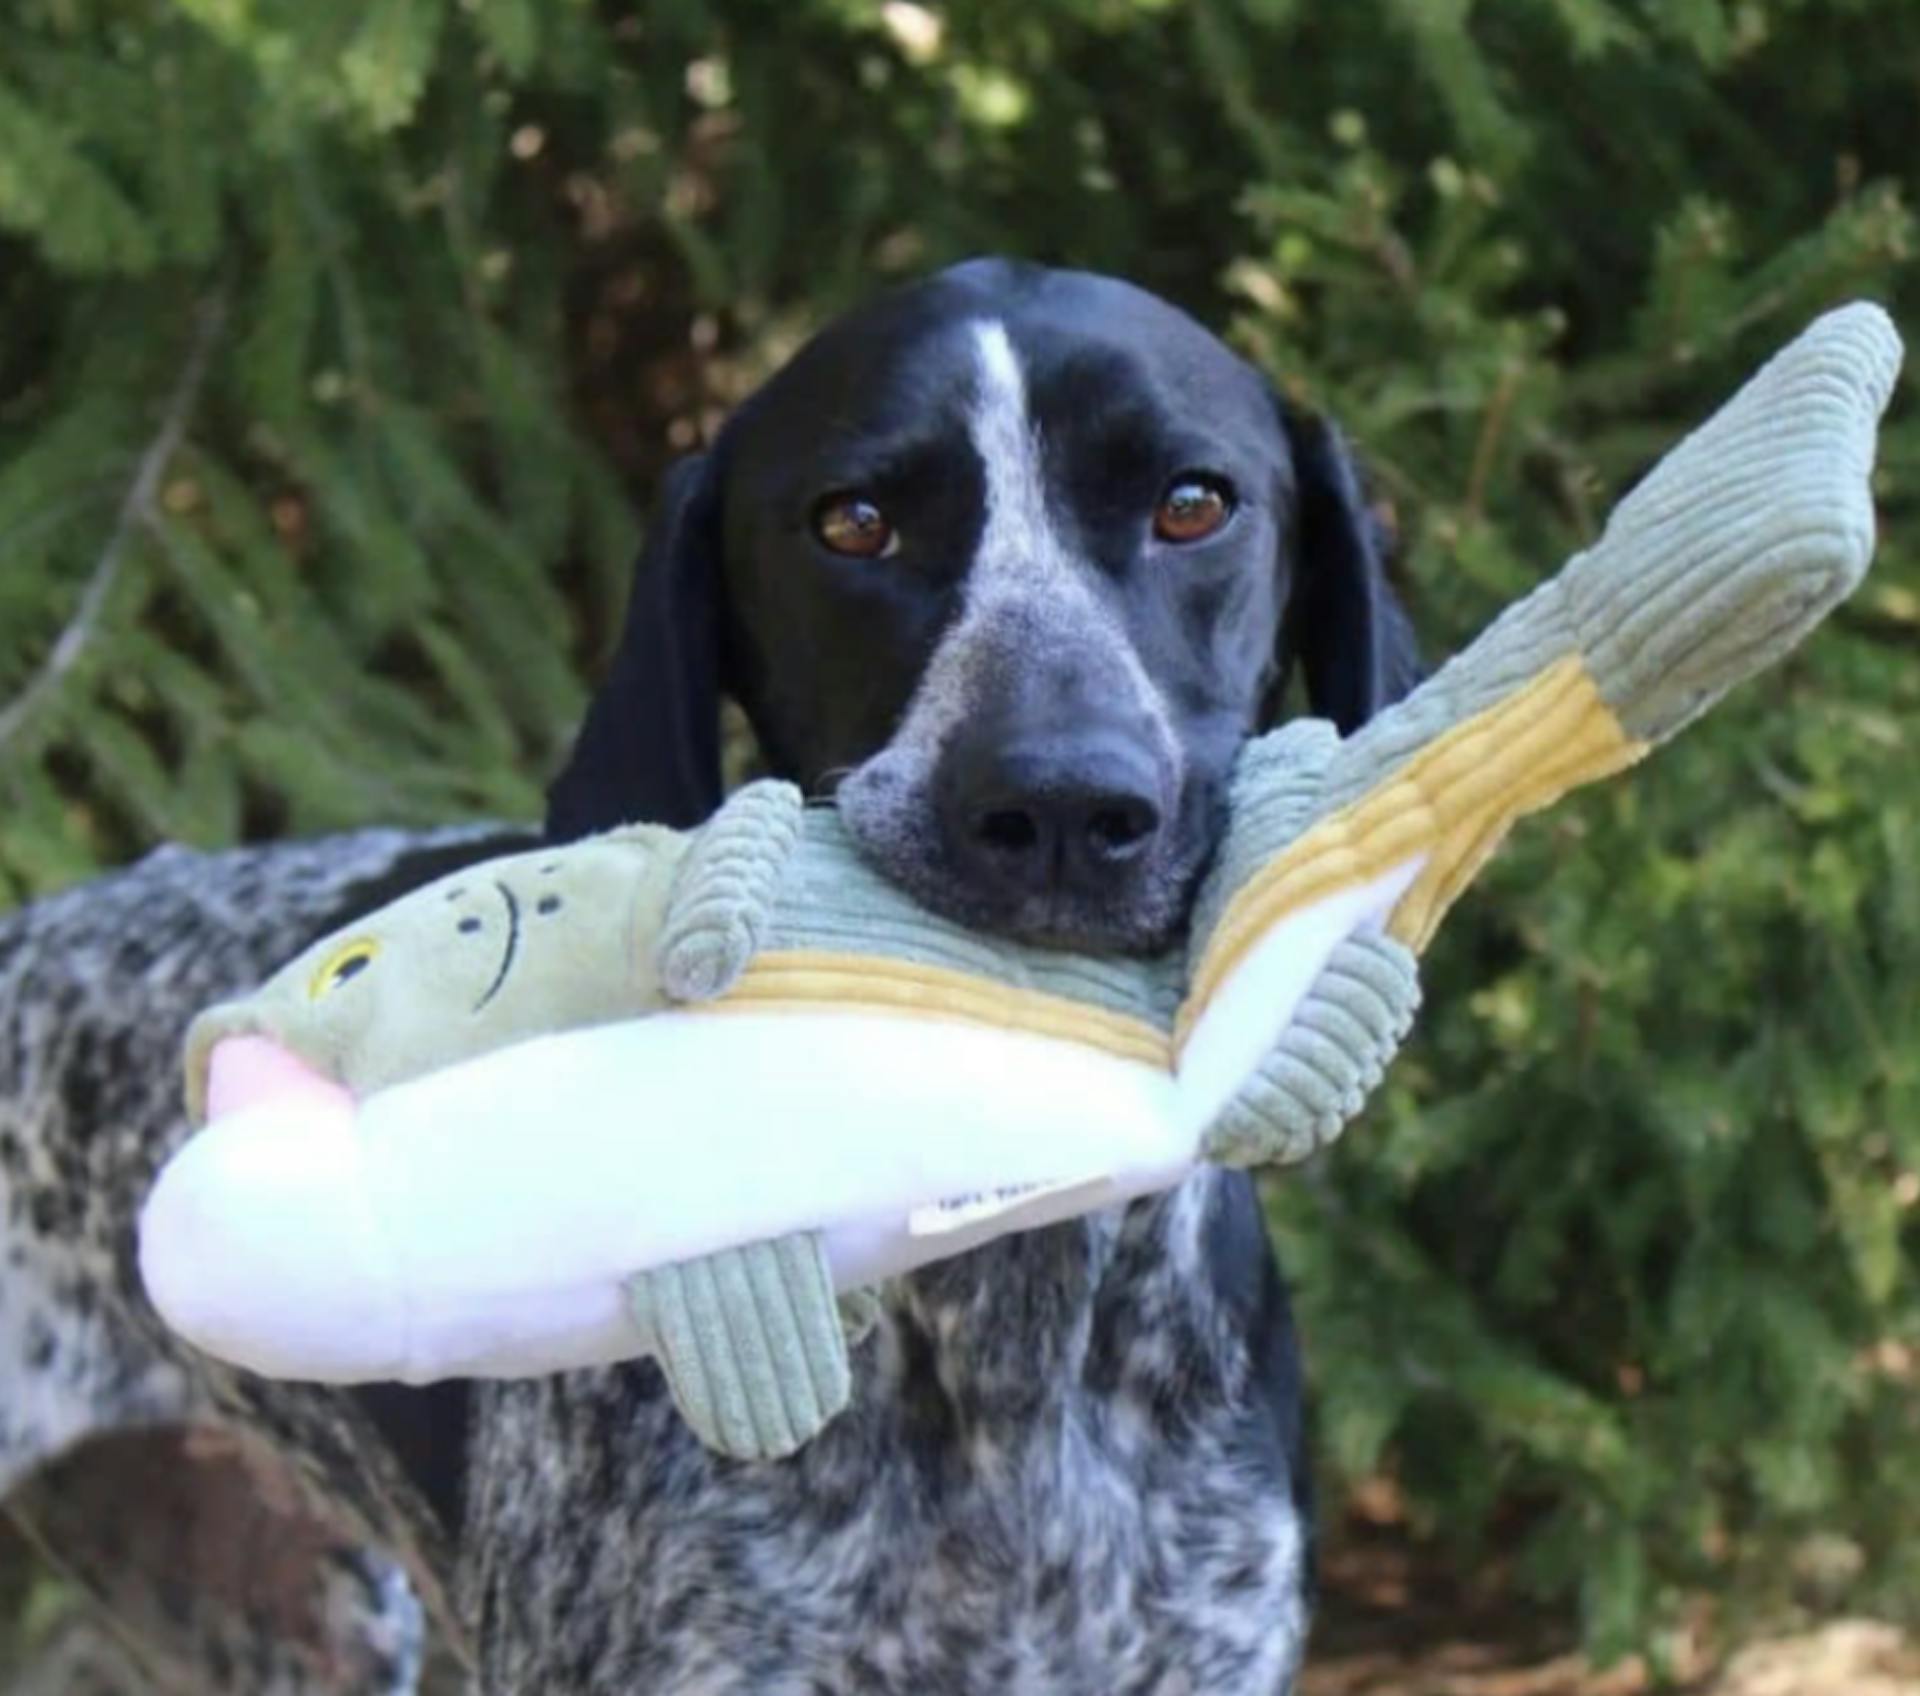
pixel 1492 427
pixel 136 511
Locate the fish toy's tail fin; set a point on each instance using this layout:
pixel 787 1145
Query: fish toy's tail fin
pixel 1728 553
pixel 1743 537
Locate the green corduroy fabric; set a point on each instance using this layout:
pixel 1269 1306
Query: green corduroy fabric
pixel 752 1342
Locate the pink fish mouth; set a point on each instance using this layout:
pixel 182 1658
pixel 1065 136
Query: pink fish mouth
pixel 255 1071
pixel 258 1243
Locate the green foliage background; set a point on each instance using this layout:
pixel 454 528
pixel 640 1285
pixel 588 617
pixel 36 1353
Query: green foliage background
pixel 339 345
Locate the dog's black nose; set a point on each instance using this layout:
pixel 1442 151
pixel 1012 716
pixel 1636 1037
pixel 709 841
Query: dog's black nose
pixel 1062 815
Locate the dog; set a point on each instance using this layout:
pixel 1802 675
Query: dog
pixel 1008 563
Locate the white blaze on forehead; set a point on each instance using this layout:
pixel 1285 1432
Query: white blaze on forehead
pixel 1018 543
pixel 1020 562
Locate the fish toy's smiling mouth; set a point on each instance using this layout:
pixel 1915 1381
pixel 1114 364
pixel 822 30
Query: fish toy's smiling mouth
pixel 512 947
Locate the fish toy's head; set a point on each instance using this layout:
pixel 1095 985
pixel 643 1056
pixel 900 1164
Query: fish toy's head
pixel 511 949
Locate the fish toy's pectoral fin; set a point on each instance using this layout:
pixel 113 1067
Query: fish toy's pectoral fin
pixel 1326 1063
pixel 724 893
pixel 752 1342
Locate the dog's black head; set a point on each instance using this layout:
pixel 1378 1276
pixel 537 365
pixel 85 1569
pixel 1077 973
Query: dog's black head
pixel 1012 559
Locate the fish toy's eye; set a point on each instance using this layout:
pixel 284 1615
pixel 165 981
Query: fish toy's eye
pixel 347 961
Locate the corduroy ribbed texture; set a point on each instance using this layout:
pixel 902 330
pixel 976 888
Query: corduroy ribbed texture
pixel 1745 536
pixel 723 898
pixel 752 1343
pixel 1278 790
pixel 1326 1063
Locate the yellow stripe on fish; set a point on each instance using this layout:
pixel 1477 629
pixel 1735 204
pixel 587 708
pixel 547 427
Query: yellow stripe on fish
pixel 806 980
pixel 1451 803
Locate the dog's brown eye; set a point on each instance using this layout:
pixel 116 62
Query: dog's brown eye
pixel 1192 509
pixel 853 525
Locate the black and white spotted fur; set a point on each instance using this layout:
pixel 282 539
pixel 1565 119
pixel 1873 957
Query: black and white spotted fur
pixel 1074 1461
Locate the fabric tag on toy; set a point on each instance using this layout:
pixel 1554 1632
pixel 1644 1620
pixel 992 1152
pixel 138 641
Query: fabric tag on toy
pixel 962 1212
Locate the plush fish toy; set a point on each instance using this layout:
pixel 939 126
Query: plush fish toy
pixel 691 1095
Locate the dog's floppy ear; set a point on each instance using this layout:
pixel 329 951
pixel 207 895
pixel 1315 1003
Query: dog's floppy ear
pixel 1344 626
pixel 650 746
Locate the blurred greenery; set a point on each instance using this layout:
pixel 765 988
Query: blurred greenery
pixel 339 346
